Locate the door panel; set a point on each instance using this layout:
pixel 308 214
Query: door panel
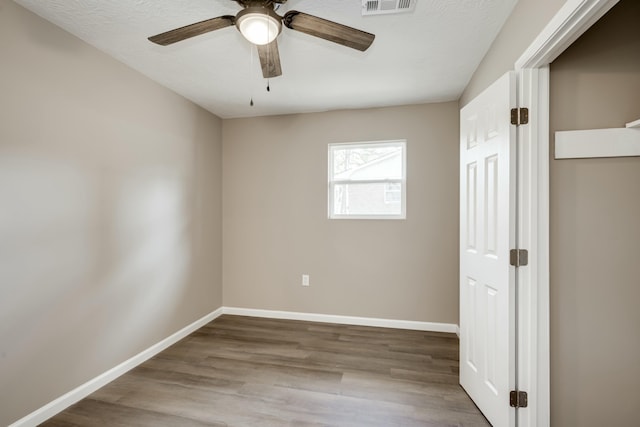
pixel 487 231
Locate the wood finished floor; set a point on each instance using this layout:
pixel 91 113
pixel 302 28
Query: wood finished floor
pixel 243 371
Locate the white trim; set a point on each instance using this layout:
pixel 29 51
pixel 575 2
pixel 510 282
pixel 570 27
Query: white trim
pixel 63 402
pixel 344 320
pixel 540 99
pixel 594 143
pixel 572 20
pixel 84 390
pixel 366 217
pixel 533 281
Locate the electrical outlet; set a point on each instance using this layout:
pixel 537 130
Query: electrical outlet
pixel 305 280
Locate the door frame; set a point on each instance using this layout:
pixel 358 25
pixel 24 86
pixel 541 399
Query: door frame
pixel 569 23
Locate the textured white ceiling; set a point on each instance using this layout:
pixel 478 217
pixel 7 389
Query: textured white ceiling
pixel 426 56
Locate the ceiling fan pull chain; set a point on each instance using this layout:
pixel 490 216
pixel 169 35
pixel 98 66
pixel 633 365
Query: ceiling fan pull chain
pixel 268 87
pixel 250 79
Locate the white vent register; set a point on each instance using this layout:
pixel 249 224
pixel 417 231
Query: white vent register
pixel 384 7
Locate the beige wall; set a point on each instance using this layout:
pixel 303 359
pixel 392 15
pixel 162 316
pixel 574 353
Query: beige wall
pixel 276 226
pixel 110 216
pixel 595 232
pixel 524 24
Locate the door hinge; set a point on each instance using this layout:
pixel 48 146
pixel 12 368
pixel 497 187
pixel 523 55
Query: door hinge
pixel 518 399
pixel 519 116
pixel 519 257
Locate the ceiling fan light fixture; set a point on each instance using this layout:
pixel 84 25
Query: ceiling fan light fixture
pixel 259 25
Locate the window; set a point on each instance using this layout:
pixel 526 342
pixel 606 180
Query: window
pixel 367 180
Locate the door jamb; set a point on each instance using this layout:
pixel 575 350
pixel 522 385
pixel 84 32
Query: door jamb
pixel 569 23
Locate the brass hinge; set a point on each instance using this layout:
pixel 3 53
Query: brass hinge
pixel 518 399
pixel 519 116
pixel 519 257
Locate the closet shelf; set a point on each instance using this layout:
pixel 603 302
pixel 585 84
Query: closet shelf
pixel 594 143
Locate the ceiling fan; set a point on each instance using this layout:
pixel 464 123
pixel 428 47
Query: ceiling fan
pixel 259 23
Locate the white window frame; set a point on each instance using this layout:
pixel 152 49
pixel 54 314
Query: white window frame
pixel 402 181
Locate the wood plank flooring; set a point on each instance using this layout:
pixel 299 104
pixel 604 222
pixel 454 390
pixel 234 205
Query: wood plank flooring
pixel 243 371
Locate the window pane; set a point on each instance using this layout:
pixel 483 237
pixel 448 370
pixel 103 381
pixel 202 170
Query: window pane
pixel 392 193
pixel 379 161
pixel 366 199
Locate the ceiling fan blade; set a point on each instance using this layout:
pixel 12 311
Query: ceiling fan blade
pixel 193 30
pixel 270 60
pixel 328 30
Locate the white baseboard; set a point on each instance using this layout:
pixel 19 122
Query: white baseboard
pixel 80 392
pixel 345 320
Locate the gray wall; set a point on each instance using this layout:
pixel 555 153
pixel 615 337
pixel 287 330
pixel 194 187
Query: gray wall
pixel 110 216
pixel 524 24
pixel 595 232
pixel 276 226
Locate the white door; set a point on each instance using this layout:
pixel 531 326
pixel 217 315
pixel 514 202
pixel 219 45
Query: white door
pixel 487 233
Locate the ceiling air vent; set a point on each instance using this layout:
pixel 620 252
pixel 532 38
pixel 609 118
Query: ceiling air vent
pixel 384 7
